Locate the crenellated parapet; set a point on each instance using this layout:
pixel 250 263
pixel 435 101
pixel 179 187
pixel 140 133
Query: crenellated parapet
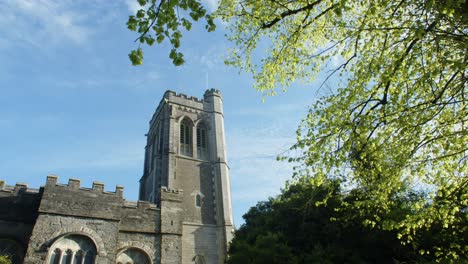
pixel 18 189
pixel 212 92
pixel 142 205
pixel 75 184
pixel 179 99
pixel 95 202
pixel 171 94
pixel 18 202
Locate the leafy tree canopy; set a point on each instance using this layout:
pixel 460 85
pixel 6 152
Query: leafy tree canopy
pixel 399 115
pixel 296 228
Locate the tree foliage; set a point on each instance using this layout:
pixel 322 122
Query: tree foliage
pixel 4 259
pixel 397 122
pixel 296 227
pixel 164 19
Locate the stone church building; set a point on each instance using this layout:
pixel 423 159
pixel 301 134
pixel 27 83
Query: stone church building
pixel 183 214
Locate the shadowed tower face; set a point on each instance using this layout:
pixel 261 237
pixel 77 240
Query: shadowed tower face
pixel 186 150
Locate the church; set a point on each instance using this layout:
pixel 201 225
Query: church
pixel 183 214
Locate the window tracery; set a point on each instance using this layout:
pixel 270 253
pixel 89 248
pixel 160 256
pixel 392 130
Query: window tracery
pixel 73 249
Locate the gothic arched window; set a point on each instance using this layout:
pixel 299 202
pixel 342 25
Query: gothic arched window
pixel 72 249
pixel 202 142
pixel 133 256
pixel 186 138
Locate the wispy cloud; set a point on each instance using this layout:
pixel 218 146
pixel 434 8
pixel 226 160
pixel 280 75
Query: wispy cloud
pixel 43 22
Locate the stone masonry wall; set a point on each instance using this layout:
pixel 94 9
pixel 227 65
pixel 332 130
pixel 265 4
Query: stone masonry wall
pixel 171 226
pixel 199 240
pixel 112 223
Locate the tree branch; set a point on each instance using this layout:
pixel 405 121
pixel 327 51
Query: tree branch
pixel 289 12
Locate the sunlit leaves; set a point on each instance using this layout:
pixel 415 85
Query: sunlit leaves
pixel 160 20
pixel 136 56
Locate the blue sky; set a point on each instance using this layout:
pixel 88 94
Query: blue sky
pixel 72 105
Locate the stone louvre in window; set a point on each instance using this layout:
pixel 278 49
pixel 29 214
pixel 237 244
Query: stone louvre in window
pixel 202 142
pixel 186 138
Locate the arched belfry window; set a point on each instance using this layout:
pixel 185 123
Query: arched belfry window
pixel 202 142
pixel 72 249
pixel 186 138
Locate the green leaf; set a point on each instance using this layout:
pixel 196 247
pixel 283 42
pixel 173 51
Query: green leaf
pixel 136 57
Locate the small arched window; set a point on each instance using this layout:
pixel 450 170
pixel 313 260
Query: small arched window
pixel 198 200
pixel 186 138
pixel 202 142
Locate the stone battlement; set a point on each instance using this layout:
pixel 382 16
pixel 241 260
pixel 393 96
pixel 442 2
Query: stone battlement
pixel 75 184
pixel 174 195
pixel 188 101
pixel 140 205
pixel 170 190
pixel 170 93
pixel 93 202
pixel 17 188
pixel 212 92
pixel 95 193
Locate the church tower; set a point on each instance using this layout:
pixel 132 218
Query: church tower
pixel 186 150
